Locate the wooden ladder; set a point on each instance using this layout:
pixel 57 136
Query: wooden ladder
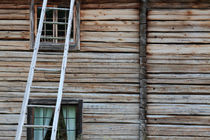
pixel 25 104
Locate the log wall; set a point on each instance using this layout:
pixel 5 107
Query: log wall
pixel 104 73
pixel 178 70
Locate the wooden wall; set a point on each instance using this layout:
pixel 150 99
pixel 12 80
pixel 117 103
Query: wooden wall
pixel 104 73
pixel 178 70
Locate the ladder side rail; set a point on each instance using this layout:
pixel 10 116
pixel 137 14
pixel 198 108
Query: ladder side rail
pixel 31 74
pixel 63 71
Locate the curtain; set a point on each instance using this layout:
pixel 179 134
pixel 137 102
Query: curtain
pixel 69 114
pixel 42 116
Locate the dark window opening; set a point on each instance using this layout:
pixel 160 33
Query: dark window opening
pixel 55 26
pixel 70 119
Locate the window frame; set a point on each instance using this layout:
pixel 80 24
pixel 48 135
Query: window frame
pixel 65 101
pixel 59 46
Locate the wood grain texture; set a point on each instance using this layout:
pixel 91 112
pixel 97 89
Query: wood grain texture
pixel 104 74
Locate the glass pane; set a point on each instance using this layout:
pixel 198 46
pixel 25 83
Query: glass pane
pixel 66 124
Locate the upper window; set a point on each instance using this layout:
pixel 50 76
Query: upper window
pixel 55 26
pixel 69 124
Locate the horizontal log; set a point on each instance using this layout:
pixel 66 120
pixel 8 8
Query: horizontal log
pixel 71 55
pixel 14 35
pixel 162 68
pixel 174 26
pixel 9 118
pixel 178 49
pixel 73 87
pixel 110 14
pixel 179 15
pixel 110 36
pixel 110 5
pixel 179 5
pixel 109 47
pixel 178 38
pixel 179 62
pixel 108 1
pixel 184 99
pixel 165 88
pixel 112 137
pixel 12 11
pixel 14 22
pixel 88 108
pixel 177 138
pixel 73 78
pixel 116 26
pixel 14 16
pixel 178 109
pixel 14 45
pixel 14 6
pixel 106 118
pixel 72 65
pixel 174 119
pixel 86 97
pixel 78 70
pixel 110 129
pixel 14 28
pixel 178 57
pixel 178 78
pixel 178 130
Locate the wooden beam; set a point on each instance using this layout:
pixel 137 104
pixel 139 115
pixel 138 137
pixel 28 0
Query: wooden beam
pixel 143 92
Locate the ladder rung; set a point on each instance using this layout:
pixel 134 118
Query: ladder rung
pixel 41 106
pixel 40 87
pixel 54 8
pixel 50 37
pixel 37 126
pixel 61 23
pixel 48 70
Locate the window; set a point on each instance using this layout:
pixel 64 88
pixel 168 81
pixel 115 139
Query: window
pixel 70 120
pixel 55 26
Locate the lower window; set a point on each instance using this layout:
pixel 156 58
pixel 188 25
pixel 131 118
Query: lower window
pixel 70 120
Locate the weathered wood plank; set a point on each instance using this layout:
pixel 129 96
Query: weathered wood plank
pixel 110 36
pixel 14 6
pixel 109 47
pixel 74 87
pixel 179 5
pixel 178 15
pixel 87 97
pixel 108 1
pixel 14 22
pixel 107 137
pixel 166 88
pixel 178 130
pixel 164 68
pixel 110 14
pixel 73 78
pixel 110 129
pixel 161 98
pixel 116 26
pixel 14 28
pixel 178 49
pixel 175 119
pixel 177 138
pixel 179 78
pixel 178 37
pixel 14 16
pixel 14 45
pixel 178 109
pixel 14 35
pixel 175 26
pixel 78 70
pixel 110 5
pixel 106 118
